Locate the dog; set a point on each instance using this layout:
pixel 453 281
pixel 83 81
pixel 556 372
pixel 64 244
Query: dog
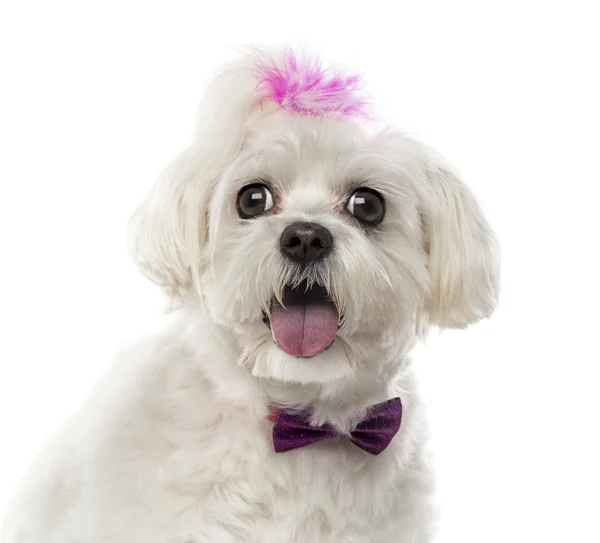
pixel 306 250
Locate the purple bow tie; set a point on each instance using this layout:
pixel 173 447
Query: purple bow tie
pixel 372 434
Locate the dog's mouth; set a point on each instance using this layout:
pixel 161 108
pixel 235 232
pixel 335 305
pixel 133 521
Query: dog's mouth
pixel 307 322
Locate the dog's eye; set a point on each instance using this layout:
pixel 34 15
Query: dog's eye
pixel 254 200
pixel 367 206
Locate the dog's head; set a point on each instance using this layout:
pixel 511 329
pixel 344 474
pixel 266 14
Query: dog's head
pixel 322 243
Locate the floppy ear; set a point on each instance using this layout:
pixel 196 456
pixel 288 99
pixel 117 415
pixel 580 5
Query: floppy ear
pixel 463 252
pixel 170 223
pixel 169 231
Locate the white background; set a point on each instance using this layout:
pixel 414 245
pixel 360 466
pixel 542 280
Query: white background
pixel 96 97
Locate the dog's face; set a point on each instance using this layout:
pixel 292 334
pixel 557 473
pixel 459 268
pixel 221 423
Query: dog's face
pixel 322 246
pixel 317 250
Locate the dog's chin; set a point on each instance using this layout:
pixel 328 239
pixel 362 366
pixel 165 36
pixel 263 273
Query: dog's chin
pixel 271 362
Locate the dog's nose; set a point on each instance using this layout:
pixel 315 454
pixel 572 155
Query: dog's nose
pixel 306 242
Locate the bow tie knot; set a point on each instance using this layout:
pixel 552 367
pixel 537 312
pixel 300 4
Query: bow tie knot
pixel 372 434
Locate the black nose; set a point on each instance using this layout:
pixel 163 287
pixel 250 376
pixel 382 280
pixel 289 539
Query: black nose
pixel 305 242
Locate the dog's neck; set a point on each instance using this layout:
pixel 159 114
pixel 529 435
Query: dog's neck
pixel 336 402
pixel 374 387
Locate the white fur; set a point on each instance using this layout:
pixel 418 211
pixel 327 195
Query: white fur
pixel 173 445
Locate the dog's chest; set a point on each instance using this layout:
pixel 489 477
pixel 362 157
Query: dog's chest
pixel 238 489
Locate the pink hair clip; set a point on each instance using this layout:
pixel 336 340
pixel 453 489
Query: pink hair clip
pixel 305 88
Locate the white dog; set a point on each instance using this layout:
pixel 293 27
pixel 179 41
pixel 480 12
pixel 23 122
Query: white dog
pixel 307 251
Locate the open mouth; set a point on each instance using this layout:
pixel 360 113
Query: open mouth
pixel 307 322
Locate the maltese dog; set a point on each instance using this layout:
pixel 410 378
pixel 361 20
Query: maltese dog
pixel 306 250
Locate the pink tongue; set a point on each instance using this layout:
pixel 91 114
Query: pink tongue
pixel 305 329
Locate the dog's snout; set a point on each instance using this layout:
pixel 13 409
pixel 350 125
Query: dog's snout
pixel 306 242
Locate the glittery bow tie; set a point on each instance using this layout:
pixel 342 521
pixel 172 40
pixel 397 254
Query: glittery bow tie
pixel 372 434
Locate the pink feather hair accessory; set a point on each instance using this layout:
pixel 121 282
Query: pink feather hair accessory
pixel 304 87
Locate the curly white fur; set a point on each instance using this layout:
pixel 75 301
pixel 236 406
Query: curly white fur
pixel 173 445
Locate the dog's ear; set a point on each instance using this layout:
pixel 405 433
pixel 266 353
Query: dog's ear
pixel 169 231
pixel 463 252
pixel 170 223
